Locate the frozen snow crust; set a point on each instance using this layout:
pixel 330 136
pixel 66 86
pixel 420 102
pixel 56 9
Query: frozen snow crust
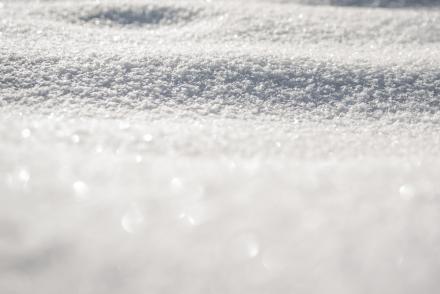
pixel 264 84
pixel 219 147
pixel 144 55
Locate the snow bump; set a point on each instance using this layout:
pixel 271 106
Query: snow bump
pixel 138 15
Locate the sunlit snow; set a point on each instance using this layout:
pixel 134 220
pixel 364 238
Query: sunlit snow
pixel 249 146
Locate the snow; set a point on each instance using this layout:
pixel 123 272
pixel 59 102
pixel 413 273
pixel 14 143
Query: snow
pixel 219 146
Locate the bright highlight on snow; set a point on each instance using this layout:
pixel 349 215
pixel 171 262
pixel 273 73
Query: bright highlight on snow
pixel 261 146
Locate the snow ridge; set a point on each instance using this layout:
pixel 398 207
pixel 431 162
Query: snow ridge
pixel 373 3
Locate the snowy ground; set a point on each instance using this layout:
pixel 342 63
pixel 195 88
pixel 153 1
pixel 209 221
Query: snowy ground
pixel 220 146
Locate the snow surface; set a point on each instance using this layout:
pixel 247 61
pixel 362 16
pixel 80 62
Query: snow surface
pixel 220 146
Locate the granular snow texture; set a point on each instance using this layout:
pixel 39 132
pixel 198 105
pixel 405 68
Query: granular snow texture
pixel 220 146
